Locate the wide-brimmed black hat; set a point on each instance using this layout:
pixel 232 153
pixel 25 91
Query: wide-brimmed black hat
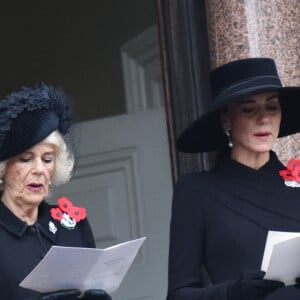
pixel 233 82
pixel 29 115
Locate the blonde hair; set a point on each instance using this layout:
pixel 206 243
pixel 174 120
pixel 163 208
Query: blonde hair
pixel 64 159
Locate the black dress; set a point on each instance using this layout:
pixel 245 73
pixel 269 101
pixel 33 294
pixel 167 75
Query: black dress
pixel 220 221
pixel 23 246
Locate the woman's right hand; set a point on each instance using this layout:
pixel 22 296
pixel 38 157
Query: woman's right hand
pixel 252 286
pixel 96 294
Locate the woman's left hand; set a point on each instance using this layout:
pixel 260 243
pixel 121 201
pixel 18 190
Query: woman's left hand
pixel 297 280
pixel 95 294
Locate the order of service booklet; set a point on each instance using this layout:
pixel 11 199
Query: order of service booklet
pixel 83 268
pixel 281 257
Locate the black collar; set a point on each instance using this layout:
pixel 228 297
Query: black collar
pixel 18 228
pixel 265 178
pixel 248 189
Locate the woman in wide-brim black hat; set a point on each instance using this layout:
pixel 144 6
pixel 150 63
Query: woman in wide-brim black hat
pixel 232 83
pixel 36 155
pixel 221 218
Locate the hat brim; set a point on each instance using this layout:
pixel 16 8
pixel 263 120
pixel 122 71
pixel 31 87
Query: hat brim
pixel 206 134
pixel 26 134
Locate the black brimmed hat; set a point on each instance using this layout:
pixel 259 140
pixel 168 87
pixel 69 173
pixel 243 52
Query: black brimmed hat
pixel 233 82
pixel 29 115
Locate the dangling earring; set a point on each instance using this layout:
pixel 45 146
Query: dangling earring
pixel 227 132
pixel 1 181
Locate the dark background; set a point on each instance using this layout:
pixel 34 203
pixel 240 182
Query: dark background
pixel 72 44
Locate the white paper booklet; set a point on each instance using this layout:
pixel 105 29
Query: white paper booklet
pixel 281 257
pixel 83 268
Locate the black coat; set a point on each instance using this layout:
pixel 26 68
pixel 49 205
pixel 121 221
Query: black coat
pixel 220 220
pixel 23 246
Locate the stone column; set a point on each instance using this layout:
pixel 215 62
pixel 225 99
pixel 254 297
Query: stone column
pixel 259 28
pixel 185 68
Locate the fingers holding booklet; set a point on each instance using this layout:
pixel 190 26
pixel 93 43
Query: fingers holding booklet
pixel 65 268
pixel 281 257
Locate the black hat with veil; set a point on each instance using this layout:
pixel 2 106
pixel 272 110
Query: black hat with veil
pixel 29 115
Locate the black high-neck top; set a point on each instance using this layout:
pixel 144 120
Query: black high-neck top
pixel 220 221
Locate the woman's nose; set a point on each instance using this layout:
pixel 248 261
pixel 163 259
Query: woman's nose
pixel 263 116
pixel 38 166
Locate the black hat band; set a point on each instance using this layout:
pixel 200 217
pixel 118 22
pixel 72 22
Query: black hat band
pixel 247 87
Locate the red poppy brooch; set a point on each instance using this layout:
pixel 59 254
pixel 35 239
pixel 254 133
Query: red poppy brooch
pixel 291 174
pixel 67 214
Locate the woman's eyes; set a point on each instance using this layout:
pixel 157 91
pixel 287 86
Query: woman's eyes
pixel 247 110
pixel 24 159
pixel 46 159
pixel 250 110
pixel 274 107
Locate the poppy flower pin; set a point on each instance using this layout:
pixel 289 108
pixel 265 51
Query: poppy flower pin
pixel 67 214
pixel 291 174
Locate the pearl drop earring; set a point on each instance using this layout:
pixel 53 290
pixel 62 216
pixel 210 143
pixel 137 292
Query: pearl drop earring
pixel 227 132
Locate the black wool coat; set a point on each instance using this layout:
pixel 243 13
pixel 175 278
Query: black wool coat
pixel 220 220
pixel 23 247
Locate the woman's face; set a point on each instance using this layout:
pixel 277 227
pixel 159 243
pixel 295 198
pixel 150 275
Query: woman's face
pixel 27 176
pixel 254 123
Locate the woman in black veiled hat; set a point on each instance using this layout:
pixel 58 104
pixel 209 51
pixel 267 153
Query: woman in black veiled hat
pixel 34 155
pixel 221 218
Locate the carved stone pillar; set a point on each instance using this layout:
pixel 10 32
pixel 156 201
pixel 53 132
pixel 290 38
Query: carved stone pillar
pixel 258 28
